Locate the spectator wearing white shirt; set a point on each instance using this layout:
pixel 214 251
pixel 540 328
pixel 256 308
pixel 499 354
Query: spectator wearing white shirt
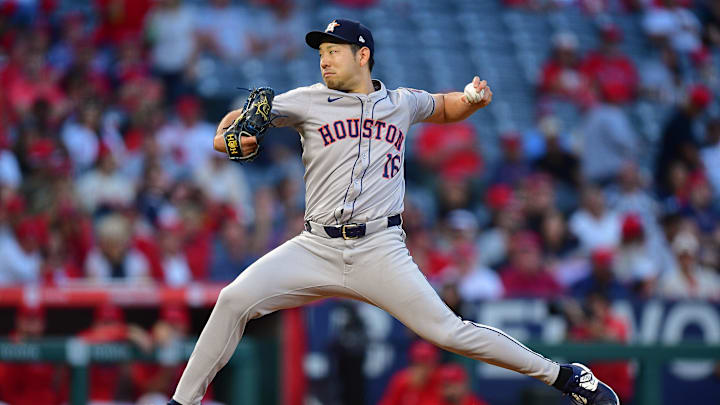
pixel 226 30
pixel 105 186
pixel 688 279
pixel 662 76
pixel 171 30
pixel 83 136
pixel 224 182
pixel 175 267
pixel 593 224
pixel 20 259
pixel 710 155
pixel 10 174
pixel 631 196
pixel 282 29
pixel 474 281
pixel 186 140
pixel 675 24
pixel 609 140
pixel 635 265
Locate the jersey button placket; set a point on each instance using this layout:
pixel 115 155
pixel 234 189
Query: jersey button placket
pixel 367 104
pixel 358 172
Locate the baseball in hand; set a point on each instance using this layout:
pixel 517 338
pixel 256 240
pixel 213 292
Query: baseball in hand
pixel 472 95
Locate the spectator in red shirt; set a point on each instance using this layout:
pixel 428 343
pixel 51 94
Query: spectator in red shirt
pixel 109 326
pixel 418 383
pixel 450 150
pixel 34 382
pixel 121 18
pixel 421 242
pixel 58 267
pixel 28 76
pixel 454 388
pixel 609 69
pixel 526 276
pixel 198 241
pixel 76 231
pixel 561 75
pixel 130 64
pixel 151 380
pixel 602 325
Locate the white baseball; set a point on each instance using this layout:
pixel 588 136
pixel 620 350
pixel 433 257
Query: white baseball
pixel 472 95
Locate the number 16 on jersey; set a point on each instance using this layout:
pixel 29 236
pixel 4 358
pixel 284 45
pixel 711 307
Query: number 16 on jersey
pixel 392 166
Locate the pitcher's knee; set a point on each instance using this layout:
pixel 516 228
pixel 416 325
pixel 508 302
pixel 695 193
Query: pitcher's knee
pixel 449 335
pixel 451 340
pixel 231 299
pixel 439 337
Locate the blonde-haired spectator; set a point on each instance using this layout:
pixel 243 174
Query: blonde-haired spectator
pixel 114 258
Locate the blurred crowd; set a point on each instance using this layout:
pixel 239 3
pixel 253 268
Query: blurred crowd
pixel 107 173
pixel 597 207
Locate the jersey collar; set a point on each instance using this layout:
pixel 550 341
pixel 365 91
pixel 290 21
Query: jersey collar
pixel 380 91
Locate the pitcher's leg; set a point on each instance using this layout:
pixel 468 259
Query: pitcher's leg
pixel 392 281
pixel 289 276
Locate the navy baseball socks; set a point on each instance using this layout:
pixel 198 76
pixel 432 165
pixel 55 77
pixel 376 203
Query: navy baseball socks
pixel 173 402
pixel 583 387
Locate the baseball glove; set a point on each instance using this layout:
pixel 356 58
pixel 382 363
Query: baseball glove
pixel 253 121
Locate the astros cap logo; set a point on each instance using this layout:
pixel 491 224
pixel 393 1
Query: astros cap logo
pixel 331 26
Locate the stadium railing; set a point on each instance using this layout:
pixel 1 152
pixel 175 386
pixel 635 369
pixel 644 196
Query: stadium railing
pixel 244 366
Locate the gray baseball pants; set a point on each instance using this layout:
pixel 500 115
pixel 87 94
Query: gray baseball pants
pixel 376 269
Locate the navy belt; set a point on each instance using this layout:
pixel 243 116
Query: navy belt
pixel 354 230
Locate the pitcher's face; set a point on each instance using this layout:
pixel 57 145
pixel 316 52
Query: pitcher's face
pixel 339 66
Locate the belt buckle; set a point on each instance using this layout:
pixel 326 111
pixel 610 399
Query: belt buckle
pixel 351 226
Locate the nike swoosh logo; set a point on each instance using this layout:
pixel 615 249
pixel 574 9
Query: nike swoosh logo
pixel 330 100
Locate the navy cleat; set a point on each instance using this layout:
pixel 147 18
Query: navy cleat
pixel 585 389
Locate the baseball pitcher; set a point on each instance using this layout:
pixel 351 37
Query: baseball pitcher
pixel 353 132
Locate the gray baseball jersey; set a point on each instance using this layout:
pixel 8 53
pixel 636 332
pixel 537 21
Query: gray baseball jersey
pixel 353 148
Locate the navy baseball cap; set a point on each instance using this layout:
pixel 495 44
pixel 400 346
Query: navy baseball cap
pixel 342 31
